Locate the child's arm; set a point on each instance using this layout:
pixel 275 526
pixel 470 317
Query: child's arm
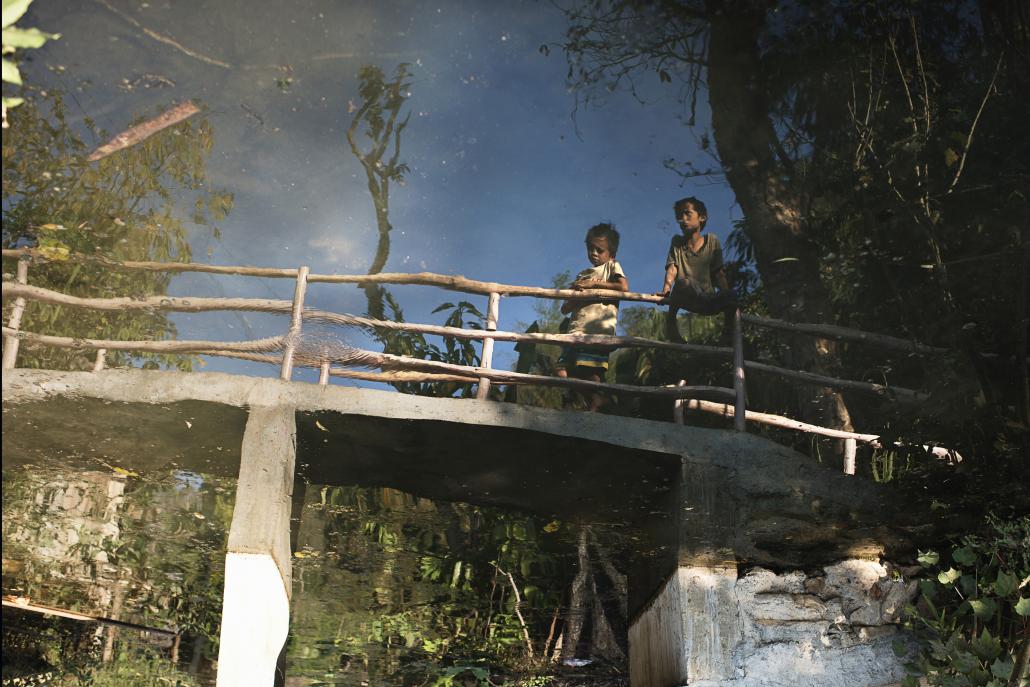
pixel 618 283
pixel 670 277
pixel 720 279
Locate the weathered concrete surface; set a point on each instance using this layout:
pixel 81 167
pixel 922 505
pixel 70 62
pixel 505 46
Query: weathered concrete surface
pixel 835 627
pixel 740 497
pixel 261 514
pixel 256 601
pixel 831 628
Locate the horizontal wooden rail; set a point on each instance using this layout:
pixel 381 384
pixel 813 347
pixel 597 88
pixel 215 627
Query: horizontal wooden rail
pixel 278 306
pixel 384 377
pixel 178 304
pixel 384 360
pixel 444 281
pixel 465 285
pixel 900 393
pixel 844 334
pixel 26 605
pixel 257 345
pixel 447 372
pixel 874 440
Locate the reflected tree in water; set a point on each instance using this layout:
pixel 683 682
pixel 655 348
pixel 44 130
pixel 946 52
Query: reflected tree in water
pixel 431 584
pixel 379 120
pixel 134 205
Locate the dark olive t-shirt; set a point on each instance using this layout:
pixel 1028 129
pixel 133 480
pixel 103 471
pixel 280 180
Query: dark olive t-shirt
pixel 698 267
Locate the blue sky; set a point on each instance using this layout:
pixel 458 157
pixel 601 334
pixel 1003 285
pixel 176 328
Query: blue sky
pixel 502 186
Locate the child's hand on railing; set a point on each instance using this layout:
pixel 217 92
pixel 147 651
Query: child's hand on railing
pixel 585 284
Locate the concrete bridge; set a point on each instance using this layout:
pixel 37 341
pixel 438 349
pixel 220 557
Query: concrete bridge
pixel 769 569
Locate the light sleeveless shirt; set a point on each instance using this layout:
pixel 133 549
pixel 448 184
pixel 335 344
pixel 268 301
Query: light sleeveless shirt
pixel 597 318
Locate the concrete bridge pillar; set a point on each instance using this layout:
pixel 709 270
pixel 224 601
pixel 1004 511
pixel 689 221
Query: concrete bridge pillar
pixel 256 600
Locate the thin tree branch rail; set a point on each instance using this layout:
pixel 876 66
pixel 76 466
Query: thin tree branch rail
pixel 873 440
pixel 283 306
pixel 465 285
pixel 274 343
pixel 247 350
pixel 26 605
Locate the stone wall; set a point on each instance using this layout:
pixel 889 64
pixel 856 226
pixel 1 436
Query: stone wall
pixel 708 627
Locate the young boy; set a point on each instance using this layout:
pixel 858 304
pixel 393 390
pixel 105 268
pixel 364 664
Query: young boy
pixel 594 317
pixel 693 268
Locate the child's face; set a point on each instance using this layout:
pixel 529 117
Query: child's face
pixel 597 251
pixel 689 220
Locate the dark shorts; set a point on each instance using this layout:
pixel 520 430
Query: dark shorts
pixel 702 303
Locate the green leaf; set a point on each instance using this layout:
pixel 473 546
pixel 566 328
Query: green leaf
pixel 928 588
pixel 1023 607
pixel 929 558
pixel 968 584
pixel 983 608
pixel 1002 669
pixel 13 9
pixel 1005 584
pixel 964 556
pixel 15 37
pixel 965 662
pixel 899 648
pixel 949 576
pixel 11 73
pixel 985 646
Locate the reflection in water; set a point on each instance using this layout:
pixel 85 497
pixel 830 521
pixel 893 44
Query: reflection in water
pixel 125 205
pixel 394 589
pixel 134 551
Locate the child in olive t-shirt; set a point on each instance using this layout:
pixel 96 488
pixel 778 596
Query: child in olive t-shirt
pixel 694 268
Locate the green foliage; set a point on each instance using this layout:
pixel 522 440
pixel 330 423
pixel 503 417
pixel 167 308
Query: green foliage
pixel 971 617
pixel 539 358
pixel 378 119
pixel 463 676
pixel 158 541
pixel 463 315
pixel 424 593
pixel 122 207
pixel 15 37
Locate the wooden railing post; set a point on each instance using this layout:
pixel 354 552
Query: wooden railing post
pixel 10 342
pixel 98 363
pixel 850 453
pixel 296 320
pixel 677 406
pixel 740 410
pixel 493 305
pixel 323 373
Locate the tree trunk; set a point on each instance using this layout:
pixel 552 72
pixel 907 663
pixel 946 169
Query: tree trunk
pixel 748 143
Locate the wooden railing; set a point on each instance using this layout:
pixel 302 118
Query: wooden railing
pixel 334 360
